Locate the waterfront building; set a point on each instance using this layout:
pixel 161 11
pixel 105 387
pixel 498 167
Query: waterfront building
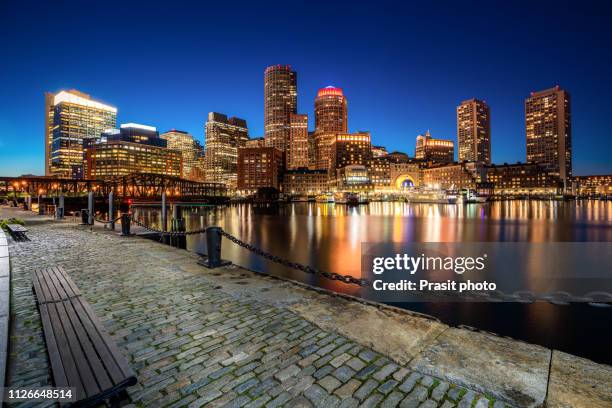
pixel 549 131
pixel 297 154
pixel 131 149
pixel 380 172
pixel 405 174
pixel 280 101
pixel 255 142
pixel 331 113
pixel 224 136
pixel 350 148
pixel 312 151
pixel 379 151
pixel 70 117
pixel 305 182
pixel 191 150
pixel 354 178
pixel 599 185
pixel 474 131
pixel 259 167
pixel 468 175
pixel 434 150
pixel 521 179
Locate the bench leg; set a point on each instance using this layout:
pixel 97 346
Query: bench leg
pixel 115 400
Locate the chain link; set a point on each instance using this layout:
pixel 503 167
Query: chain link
pixel 348 279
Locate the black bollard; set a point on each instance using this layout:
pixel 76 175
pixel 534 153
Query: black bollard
pixel 125 224
pixel 84 217
pixel 213 248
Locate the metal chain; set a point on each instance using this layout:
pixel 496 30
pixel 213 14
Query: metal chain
pixel 348 279
pixel 101 221
pixel 170 233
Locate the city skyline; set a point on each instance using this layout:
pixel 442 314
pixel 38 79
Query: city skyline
pixel 393 106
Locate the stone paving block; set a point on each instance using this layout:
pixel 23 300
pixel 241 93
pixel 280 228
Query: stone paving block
pixel 392 400
pixel 348 389
pixel 366 389
pixel 385 372
pixel 509 370
pixel 414 399
pixel 344 373
pixel 410 382
pixel 576 381
pixel 287 373
pixel 372 401
pixel 329 383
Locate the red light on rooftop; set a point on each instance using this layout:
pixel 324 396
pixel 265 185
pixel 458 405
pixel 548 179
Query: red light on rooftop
pixel 330 91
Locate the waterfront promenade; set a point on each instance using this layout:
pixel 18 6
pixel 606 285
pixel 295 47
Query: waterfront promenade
pixel 229 337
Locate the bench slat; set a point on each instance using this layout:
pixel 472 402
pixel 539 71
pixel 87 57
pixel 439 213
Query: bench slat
pixel 69 282
pixel 16 228
pixel 103 347
pixel 59 373
pixel 46 295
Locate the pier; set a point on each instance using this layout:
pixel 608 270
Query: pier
pixel 231 337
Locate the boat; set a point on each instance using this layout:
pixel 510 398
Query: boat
pixel 430 196
pixel 346 198
pixel 299 198
pixel 325 198
pixel 473 197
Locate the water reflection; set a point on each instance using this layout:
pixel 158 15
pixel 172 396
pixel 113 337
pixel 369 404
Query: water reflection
pixel 329 237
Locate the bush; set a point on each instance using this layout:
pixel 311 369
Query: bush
pixel 3 223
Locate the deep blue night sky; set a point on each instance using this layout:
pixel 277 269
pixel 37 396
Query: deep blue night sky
pixel 403 67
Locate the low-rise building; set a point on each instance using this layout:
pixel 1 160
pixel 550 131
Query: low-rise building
pixel 522 178
pixel 354 178
pixel 454 176
pixel 599 185
pixel 259 167
pixel 434 150
pixel 305 182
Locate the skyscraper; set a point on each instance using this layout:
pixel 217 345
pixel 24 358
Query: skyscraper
pixel 223 139
pixel 297 154
pixel 70 117
pixel 191 150
pixel 474 131
pixel 280 101
pixel 549 131
pixel 331 111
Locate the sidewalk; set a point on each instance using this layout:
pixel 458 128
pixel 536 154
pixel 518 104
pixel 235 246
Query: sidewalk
pixel 229 337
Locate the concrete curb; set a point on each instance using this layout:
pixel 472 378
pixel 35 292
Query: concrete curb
pixel 5 284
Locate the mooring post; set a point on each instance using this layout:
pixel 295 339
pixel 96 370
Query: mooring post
pixel 164 213
pixel 90 207
pixel 111 210
pixel 40 208
pixel 59 214
pixel 125 224
pixel 213 248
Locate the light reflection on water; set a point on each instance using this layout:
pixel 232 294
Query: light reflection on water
pixel 329 237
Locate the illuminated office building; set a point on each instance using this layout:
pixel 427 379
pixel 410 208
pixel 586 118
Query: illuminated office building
pixel 297 154
pixel 132 149
pixel 305 182
pixel 599 185
pixel 379 151
pixel 191 151
pixel 259 167
pixel 331 111
pixel 350 148
pixel 224 136
pixel 70 117
pixel 255 142
pixel 454 176
pixel 549 131
pixel 322 149
pixel 280 101
pixel 474 131
pixel 521 179
pixel 434 150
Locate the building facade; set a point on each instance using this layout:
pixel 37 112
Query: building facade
pixel 255 142
pixel 599 185
pixel 297 154
pixel 434 150
pixel 305 182
pixel 350 148
pixel 224 136
pixel 379 151
pixel 70 117
pixel 280 101
pixel 457 176
pixel 474 131
pixel 322 149
pixel 549 131
pixel 132 149
pixel 521 179
pixel 191 150
pixel 259 167
pixel 331 111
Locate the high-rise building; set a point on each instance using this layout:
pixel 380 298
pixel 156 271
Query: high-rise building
pixel 434 150
pixel 322 149
pixel 280 101
pixel 223 139
pixel 331 111
pixel 259 167
pixel 131 149
pixel 255 142
pixel 351 148
pixel 297 154
pixel 379 151
pixel 191 151
pixel 474 131
pixel 70 117
pixel 549 131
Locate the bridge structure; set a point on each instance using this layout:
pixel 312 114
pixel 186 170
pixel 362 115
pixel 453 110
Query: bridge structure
pixel 138 187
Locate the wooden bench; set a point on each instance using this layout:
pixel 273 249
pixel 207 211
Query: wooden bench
pixel 81 353
pixel 17 232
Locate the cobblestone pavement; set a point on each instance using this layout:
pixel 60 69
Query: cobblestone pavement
pixel 192 344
